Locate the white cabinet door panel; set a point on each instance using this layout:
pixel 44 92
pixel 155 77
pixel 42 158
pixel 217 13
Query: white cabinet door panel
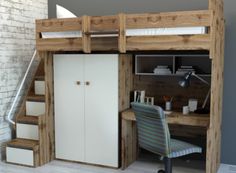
pixel 69 107
pixel 101 109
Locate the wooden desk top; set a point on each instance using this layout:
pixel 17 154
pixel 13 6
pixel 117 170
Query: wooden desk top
pixel 177 118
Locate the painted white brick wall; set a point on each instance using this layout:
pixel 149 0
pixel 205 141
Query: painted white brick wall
pixel 17 41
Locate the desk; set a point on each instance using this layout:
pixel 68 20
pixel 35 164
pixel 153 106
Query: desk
pixel 129 145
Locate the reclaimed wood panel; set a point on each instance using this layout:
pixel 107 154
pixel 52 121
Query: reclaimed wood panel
pixel 59 44
pixel 217 55
pixel 104 23
pixel 173 42
pixel 125 80
pixel 86 39
pixel 122 33
pixel 104 44
pixel 168 19
pixel 59 25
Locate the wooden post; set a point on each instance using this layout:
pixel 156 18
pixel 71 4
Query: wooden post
pixel 122 33
pixel 86 40
pixel 217 55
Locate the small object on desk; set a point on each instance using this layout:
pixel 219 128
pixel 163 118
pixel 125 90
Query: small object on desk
pixel 168 106
pixel 167 112
pixel 162 70
pixel 192 103
pixel 149 100
pixel 139 96
pixel 185 110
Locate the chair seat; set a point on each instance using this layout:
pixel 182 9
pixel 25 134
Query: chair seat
pixel 180 148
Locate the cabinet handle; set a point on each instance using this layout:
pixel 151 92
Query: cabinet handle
pixel 87 83
pixel 78 82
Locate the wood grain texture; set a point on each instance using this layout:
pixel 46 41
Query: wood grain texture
pixel 217 55
pixel 125 80
pixel 59 44
pixel 168 19
pixel 104 23
pixel 104 44
pixel 176 118
pixel 49 115
pixel 171 42
pixel 122 33
pixel 86 39
pixel 59 25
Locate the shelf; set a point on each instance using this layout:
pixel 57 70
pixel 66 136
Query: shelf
pixel 177 75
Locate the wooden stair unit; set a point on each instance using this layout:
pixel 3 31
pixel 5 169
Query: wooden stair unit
pixel 38 147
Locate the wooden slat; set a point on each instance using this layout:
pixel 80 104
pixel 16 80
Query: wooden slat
pixel 36 98
pixel 169 19
pixel 122 33
pixel 104 44
pixel 176 118
pixel 57 25
pixel 104 23
pixel 59 44
pixel 186 42
pixel 43 140
pixel 86 39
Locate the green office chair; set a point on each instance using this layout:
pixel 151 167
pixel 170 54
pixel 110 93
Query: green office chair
pixel 154 136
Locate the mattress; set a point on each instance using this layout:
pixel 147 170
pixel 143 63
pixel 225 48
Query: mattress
pixel 134 32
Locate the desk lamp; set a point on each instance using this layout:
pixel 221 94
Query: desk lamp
pixel 185 83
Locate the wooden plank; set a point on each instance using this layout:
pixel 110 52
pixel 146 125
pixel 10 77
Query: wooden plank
pixel 173 42
pixel 125 80
pixel 176 118
pixel 169 19
pixel 42 140
pixel 217 55
pixel 104 23
pixel 59 44
pixel 86 39
pixel 122 33
pixel 104 44
pixel 23 144
pixel 59 25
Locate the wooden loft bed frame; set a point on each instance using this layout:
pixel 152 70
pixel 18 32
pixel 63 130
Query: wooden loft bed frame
pixel 118 24
pixel 213 41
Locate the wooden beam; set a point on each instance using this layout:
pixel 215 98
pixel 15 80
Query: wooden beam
pixel 173 42
pixel 122 33
pixel 59 44
pixel 169 19
pixel 104 23
pixel 86 39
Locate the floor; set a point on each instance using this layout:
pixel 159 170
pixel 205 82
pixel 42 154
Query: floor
pixel 145 164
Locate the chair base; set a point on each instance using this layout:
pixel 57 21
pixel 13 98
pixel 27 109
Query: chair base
pixel 161 171
pixel 168 166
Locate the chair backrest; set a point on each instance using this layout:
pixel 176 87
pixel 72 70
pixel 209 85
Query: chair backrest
pixel 153 131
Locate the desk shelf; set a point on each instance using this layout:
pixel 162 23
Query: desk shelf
pixel 145 64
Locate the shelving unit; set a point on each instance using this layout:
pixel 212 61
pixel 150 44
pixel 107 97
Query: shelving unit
pixel 145 64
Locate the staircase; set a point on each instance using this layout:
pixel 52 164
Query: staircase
pixel 28 148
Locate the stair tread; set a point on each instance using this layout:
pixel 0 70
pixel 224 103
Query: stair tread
pixel 28 119
pixel 24 144
pixel 36 98
pixel 39 78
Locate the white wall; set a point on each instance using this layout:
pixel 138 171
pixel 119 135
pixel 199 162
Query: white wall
pixel 17 41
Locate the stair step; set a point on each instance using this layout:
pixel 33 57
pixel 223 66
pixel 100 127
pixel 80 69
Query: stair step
pixel 24 144
pixel 39 78
pixel 27 131
pixel 23 152
pixel 36 98
pixel 28 120
pixel 39 87
pixel 35 105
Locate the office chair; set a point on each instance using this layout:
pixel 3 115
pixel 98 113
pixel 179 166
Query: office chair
pixel 154 136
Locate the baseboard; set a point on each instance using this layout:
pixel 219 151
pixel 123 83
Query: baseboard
pixel 224 168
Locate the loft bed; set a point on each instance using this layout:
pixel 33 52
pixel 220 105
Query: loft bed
pixel 185 30
pixel 172 31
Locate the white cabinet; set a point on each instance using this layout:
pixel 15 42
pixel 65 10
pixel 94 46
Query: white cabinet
pixel 86 108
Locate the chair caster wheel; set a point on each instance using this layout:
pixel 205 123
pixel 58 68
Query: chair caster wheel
pixel 161 171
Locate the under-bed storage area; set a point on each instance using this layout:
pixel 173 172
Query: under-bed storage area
pixel 186 30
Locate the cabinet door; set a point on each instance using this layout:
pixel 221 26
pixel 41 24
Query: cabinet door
pixel 69 107
pixel 101 110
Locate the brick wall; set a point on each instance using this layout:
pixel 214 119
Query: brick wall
pixel 17 41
